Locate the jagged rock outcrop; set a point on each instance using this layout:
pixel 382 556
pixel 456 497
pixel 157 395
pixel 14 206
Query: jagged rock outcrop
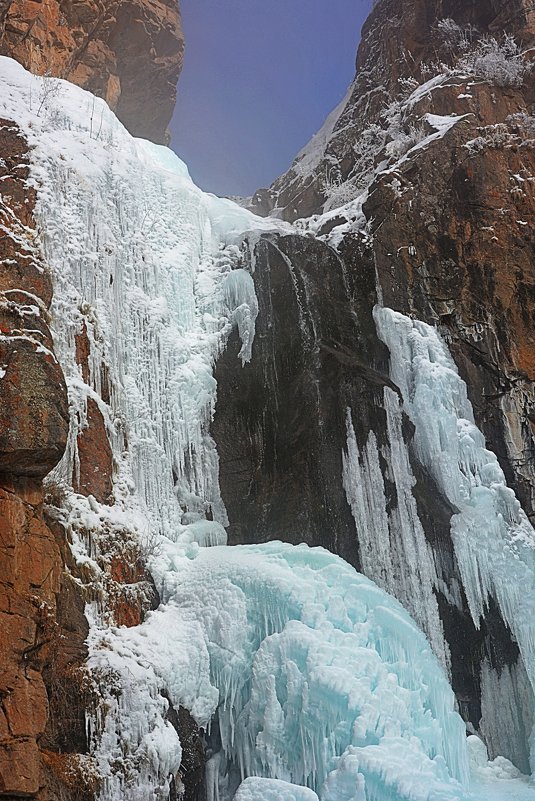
pixel 127 51
pixel 400 44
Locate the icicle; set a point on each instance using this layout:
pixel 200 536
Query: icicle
pixel 393 547
pixel 240 299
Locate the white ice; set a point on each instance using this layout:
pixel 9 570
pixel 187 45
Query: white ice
pixel 144 260
pixel 257 789
pixel 393 548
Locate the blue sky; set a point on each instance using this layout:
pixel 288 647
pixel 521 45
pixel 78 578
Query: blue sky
pixel 259 78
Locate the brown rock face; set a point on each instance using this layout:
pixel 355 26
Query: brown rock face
pixel 127 51
pixel 29 570
pixel 95 457
pixel 466 210
pixel 34 423
pixel 94 473
pixel 33 402
pixel 452 241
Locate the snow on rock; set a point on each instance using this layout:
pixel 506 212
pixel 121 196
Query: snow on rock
pixel 139 257
pixel 256 789
pixel 493 539
pixel 310 157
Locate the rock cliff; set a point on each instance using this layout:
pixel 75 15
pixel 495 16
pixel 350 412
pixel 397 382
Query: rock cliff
pixel 431 159
pixel 34 426
pixel 402 44
pixel 131 55
pixel 127 52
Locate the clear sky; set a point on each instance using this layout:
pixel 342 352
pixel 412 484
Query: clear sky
pixel 259 78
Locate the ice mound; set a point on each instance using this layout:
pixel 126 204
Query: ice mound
pixel 255 789
pixel 315 676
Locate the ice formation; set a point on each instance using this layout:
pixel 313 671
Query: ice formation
pixel 240 299
pixel 256 789
pixel 322 679
pixel 314 681
pixel 493 539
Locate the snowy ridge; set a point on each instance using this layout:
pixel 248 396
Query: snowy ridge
pixel 309 158
pixel 381 149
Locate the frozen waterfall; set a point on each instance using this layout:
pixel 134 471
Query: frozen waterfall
pixel 310 680
pixel 143 262
pixel 316 676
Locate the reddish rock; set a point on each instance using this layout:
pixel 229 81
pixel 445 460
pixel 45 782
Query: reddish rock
pixel 20 771
pixel 126 613
pixel 21 266
pixel 34 423
pixel 29 581
pixel 131 589
pixel 33 408
pixel 26 706
pixel 468 215
pixel 83 351
pixel 67 777
pixel 126 572
pixel 34 416
pixel 96 460
pixel 94 450
pixel 127 51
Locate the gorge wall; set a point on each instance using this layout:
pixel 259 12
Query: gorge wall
pixel 400 46
pixel 34 426
pixel 44 688
pixel 441 226
pixel 130 54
